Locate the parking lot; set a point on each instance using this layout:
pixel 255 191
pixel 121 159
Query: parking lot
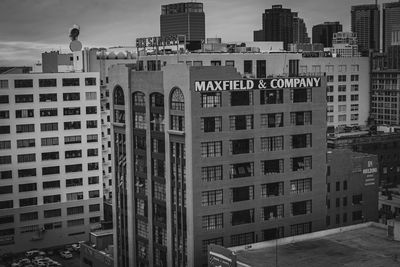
pixel 72 262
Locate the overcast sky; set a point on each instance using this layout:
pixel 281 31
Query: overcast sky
pixel 30 27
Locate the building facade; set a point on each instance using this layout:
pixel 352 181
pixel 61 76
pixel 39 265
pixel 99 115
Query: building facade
pixel 50 136
pixel 300 35
pixel 323 33
pixel 352 188
pixel 391 20
pixel 190 167
pixel 365 22
pixel 347 88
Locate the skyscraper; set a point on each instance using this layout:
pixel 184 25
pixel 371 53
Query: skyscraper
pixel 323 33
pixel 277 24
pixel 391 19
pixel 184 19
pixel 365 23
pixel 300 35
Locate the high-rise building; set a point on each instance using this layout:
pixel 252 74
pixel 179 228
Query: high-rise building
pixel 365 22
pixel 51 192
pixel 344 44
pixel 196 165
pixel 186 19
pixel 277 25
pixel 300 35
pixel 323 33
pixel 391 19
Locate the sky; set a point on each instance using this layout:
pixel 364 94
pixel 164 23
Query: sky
pixel 30 27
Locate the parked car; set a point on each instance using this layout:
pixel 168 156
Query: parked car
pixel 65 254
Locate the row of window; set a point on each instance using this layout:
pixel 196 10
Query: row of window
pixel 46 127
pixel 341 98
pixel 45 170
pixel 267 234
pixel 33 201
pixel 46 112
pixel 343 118
pixel 356 216
pixel 342 78
pixel 245 98
pixel 356 200
pixel 343 108
pixel 244 193
pixel 342 88
pixel 28 83
pixel 51 97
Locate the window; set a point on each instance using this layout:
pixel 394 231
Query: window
pixel 357 215
pixel 272 143
pixel 342 108
pixel 301 141
pixel 156 100
pixel 272 190
pixel 355 67
pixel 357 199
pixel 75 210
pixel 91 95
pixel 74 139
pixel 211 222
pixel 7 219
pixel 6 189
pixel 329 98
pixel 5 160
pixel 6 204
pixel 301 163
pixel 248 66
pixel 354 87
pixel 70 81
pixel 301 118
pixel 93 166
pixel 241 98
pixel 330 109
pixel 342 88
pixel 25 128
pixel 51 170
pixel 24 113
pixel 71 96
pixel 301 95
pixel 72 111
pixel 241 193
pixel 4 99
pixel 342 117
pixel 240 170
pixel 89 81
pixel 76 222
pixel 271 96
pixel 47 127
pixel 211 100
pixel 354 117
pixel 211 124
pixel 140 120
pixel 26 172
pixel 52 213
pixel 211 173
pixel 91 110
pixel 342 78
pixel 242 239
pixel 91 124
pixel 211 198
pixel 94 194
pixel 73 154
pixel 51 184
pixel 177 124
pixel 5 145
pixel 211 149
pixel 92 152
pixel 72 125
pixel 49 141
pixel 177 100
pixel 242 217
pixel 26 158
pixel 73 182
pixel 3 84
pixel 93 180
pixel 354 78
pixel 4 129
pixel 354 97
pixel 94 207
pixel 5 175
pixel 342 68
pixel 272 120
pixel 50 155
pixel 271 166
pixel 48 112
pixel 74 196
pixel 23 98
pixel 47 97
pixel 216 241
pixel 32 201
pixel 241 122
pixel 73 168
pixel 47 82
pixel 300 186
pixel 23 83
pixel 215 62
pixel 344 185
pixel 329 68
pixel 29 216
pixel 300 229
pixel 342 98
pixel 300 208
pixel 4 114
pixel 241 146
pixel 51 199
pixel 272 212
pixel 261 68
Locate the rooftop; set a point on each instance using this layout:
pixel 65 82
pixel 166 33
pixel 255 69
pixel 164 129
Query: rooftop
pixel 364 245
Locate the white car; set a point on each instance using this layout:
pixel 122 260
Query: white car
pixel 66 254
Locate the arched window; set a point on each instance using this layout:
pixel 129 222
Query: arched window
pixel 157 100
pixel 177 100
pixel 119 98
pixel 139 99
